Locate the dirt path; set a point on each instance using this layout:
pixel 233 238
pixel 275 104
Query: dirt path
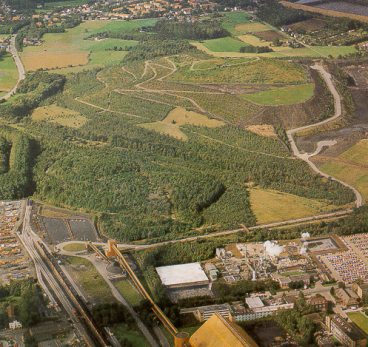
pixel 338 113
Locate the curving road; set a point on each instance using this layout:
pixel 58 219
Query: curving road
pixel 21 71
pixel 338 113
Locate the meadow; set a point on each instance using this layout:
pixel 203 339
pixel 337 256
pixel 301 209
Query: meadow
pixel 59 115
pixel 282 96
pixel 8 73
pixel 273 206
pixel 351 166
pixel 73 51
pixel 246 30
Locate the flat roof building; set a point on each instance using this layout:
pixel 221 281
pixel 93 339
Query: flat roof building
pixel 182 275
pixel 346 333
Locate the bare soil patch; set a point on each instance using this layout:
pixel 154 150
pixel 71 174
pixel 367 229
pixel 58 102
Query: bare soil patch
pixel 266 130
pixel 308 25
pixel 269 35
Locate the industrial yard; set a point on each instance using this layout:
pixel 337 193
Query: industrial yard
pixel 14 261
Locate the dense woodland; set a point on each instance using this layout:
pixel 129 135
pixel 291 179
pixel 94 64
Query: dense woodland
pixel 191 31
pixel 32 91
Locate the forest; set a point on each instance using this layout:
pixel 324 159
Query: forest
pixel 17 155
pixel 191 31
pixel 37 87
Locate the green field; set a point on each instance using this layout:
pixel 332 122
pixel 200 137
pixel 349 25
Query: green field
pixel 122 331
pixel 273 206
pixel 360 320
pixel 231 19
pixel 224 44
pixel 282 96
pixel 8 73
pixel 71 51
pixel 351 167
pixel 130 294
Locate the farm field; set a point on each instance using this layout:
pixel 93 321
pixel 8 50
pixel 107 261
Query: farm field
pixel 313 51
pixel 223 44
pixel 282 96
pixel 8 73
pixel 351 166
pixel 59 115
pixel 71 49
pixel 251 32
pixel 273 206
pixel 360 320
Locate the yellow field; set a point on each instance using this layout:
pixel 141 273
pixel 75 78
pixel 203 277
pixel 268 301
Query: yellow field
pixel 253 40
pixel 50 60
pixel 74 247
pixel 178 117
pixel 263 130
pixel 351 167
pixel 251 27
pixel 59 115
pixel 274 206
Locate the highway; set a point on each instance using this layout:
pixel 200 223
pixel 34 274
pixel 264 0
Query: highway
pixel 21 71
pixel 27 238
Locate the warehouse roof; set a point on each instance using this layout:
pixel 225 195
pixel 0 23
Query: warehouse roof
pixel 181 274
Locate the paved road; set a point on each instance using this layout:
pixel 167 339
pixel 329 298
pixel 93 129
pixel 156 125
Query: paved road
pixel 338 113
pixel 101 268
pixel 20 67
pixel 27 237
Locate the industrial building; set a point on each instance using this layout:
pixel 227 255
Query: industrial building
pixel 346 333
pixel 182 276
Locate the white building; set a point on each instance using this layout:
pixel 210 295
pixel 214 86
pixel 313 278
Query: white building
pixel 15 325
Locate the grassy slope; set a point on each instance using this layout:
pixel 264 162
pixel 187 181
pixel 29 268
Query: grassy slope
pixel 224 44
pixel 122 331
pixel 273 206
pixel 352 168
pixel 282 96
pixel 8 73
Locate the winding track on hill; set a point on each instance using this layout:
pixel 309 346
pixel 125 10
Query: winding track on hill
pixel 140 87
pixel 338 113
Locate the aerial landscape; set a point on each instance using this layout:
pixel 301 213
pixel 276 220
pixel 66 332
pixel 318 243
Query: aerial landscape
pixel 183 173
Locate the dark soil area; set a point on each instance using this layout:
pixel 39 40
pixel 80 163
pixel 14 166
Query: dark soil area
pixel 357 128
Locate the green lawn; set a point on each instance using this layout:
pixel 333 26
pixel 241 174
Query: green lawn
pixel 282 96
pixel 129 292
pixel 8 73
pixel 224 44
pixel 124 26
pixel 122 331
pixel 231 19
pixel 360 320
